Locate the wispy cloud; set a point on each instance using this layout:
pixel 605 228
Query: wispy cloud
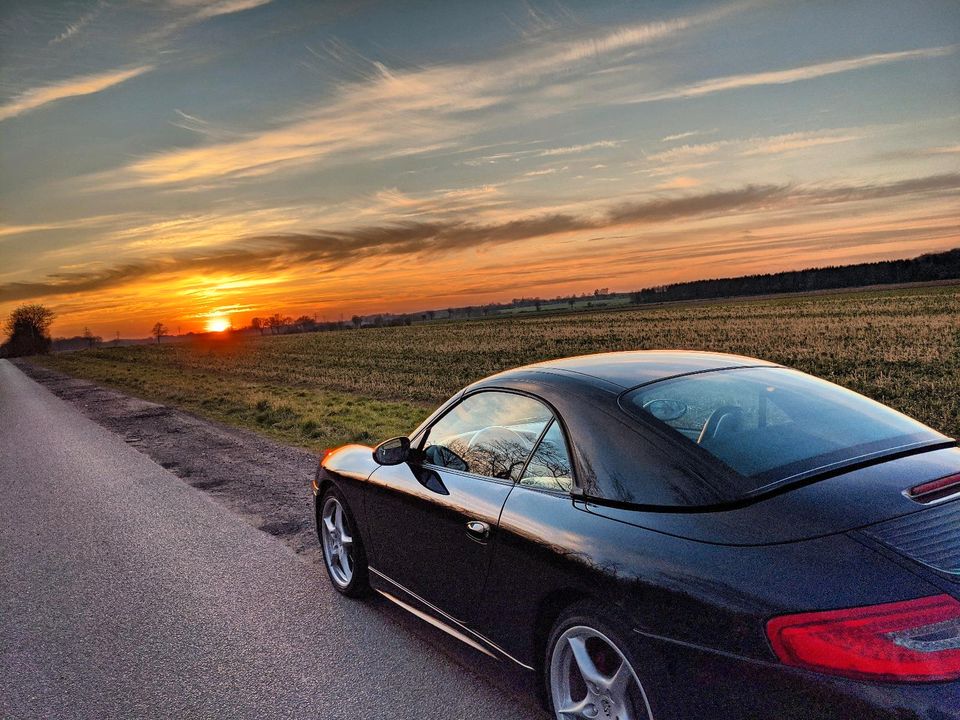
pixel 688 134
pixel 391 112
pixel 576 149
pixel 795 141
pixel 783 77
pixel 331 249
pixel 207 9
pixel 73 28
pixel 545 171
pixel 756 146
pixel 515 155
pixel 34 98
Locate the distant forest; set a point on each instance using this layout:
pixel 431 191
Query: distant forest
pixel 925 268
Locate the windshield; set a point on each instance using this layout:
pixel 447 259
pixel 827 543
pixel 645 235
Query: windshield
pixel 770 424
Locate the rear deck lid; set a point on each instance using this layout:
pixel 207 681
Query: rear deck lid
pixel 876 497
pixel 930 537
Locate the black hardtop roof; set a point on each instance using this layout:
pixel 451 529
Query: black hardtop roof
pixel 636 367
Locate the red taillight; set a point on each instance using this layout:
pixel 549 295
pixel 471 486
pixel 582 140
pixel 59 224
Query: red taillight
pixel 912 641
pixel 935 489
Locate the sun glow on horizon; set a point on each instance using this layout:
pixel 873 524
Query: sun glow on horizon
pixel 218 324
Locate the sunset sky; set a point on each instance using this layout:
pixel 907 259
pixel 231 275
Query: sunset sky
pixel 177 160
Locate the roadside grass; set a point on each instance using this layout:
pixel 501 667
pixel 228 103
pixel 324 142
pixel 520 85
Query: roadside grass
pixel 311 418
pixel 898 346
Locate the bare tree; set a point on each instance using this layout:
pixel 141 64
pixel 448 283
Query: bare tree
pixel 258 324
pixel 92 340
pixel 304 323
pixel 276 322
pixel 159 330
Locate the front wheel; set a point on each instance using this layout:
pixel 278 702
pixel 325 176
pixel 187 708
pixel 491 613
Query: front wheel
pixel 343 552
pixel 589 673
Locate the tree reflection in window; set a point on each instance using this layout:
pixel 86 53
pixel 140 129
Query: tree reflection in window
pixel 489 433
pixel 549 468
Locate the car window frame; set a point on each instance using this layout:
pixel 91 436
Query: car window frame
pixel 423 432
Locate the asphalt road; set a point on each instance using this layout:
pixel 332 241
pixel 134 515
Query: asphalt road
pixel 126 593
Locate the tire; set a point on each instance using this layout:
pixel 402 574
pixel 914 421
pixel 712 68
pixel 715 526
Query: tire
pixel 341 547
pixel 590 668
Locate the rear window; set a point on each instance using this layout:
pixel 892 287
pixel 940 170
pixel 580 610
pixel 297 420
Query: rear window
pixel 773 424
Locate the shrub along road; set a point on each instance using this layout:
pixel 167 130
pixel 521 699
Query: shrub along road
pixel 129 593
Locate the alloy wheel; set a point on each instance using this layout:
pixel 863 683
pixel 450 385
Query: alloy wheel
pixel 337 542
pixel 590 677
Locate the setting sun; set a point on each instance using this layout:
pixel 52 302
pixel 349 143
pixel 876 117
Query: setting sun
pixel 218 324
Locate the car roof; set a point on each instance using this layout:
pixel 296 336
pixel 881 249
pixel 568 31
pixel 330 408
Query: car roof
pixel 639 367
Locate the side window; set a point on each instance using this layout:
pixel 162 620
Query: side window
pixel 490 433
pixel 549 468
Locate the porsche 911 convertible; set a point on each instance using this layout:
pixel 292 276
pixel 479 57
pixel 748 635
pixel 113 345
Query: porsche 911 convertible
pixel 669 535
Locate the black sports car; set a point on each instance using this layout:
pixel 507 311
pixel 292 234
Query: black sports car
pixel 670 535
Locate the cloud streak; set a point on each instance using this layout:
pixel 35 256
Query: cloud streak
pixel 35 98
pixel 75 27
pixel 792 75
pixel 332 249
pixel 224 7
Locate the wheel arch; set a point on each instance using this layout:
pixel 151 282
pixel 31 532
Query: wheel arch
pixel 549 610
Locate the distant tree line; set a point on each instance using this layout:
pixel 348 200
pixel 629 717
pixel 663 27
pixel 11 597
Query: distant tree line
pixel 28 326
pixel 278 324
pixel 86 341
pixel 925 268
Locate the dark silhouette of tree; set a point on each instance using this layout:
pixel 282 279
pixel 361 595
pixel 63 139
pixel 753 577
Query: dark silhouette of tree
pixel 357 321
pixel 91 339
pixel 158 331
pixel 28 328
pixel 305 323
pixel 275 322
pixel 925 268
pixel 258 324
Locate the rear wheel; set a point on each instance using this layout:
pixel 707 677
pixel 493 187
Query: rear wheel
pixel 343 552
pixel 589 672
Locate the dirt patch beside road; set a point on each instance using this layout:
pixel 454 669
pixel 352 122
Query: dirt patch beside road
pixel 265 482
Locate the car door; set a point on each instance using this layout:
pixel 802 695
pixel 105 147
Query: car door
pixel 434 519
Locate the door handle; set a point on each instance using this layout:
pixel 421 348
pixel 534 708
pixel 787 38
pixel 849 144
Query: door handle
pixel 478 530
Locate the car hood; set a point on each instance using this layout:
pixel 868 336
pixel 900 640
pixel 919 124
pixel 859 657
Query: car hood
pixel 849 501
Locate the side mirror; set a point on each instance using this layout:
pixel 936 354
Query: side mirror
pixel 393 451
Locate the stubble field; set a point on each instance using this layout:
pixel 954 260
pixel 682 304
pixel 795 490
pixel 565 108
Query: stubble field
pixel 901 347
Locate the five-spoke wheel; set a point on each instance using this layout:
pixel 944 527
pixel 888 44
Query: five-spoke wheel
pixel 342 550
pixel 590 676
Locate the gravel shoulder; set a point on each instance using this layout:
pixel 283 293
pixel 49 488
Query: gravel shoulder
pixel 267 483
